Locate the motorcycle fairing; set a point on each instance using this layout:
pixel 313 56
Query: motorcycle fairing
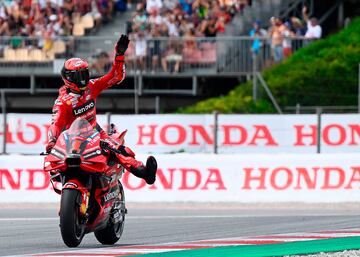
pixel 75 184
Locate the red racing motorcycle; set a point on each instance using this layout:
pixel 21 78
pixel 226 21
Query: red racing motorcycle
pixel 84 171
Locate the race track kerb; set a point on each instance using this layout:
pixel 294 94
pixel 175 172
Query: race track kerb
pixel 291 248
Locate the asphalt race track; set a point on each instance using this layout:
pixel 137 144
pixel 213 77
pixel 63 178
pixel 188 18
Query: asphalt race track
pixel 35 230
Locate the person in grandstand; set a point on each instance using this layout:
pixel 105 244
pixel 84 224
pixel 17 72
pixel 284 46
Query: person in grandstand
pixel 276 34
pixel 77 98
pixel 314 30
pixel 102 64
pixel 256 33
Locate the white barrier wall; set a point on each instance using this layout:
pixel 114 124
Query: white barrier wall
pixel 210 178
pixel 27 133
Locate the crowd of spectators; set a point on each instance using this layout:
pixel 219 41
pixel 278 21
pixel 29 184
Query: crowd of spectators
pixel 176 18
pixel 283 35
pixel 42 21
pixel 189 19
pixel 173 19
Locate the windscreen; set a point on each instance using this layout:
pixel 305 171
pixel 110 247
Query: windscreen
pixel 77 136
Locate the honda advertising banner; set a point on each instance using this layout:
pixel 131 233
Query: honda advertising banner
pixel 167 133
pixel 27 133
pixel 310 178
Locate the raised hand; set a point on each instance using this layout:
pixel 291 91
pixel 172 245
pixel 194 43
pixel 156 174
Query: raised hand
pixel 122 45
pixel 305 9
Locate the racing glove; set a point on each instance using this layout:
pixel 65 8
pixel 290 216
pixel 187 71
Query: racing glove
pixel 122 45
pixel 50 145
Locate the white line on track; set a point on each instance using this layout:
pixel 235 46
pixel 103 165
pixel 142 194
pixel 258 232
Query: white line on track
pixel 27 219
pixel 142 217
pixel 134 217
pixel 188 217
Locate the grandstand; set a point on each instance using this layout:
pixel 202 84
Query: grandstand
pixel 179 53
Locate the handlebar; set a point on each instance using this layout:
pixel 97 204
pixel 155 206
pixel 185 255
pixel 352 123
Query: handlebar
pixel 105 146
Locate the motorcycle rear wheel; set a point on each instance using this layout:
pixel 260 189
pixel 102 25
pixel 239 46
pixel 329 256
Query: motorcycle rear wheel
pixel 112 233
pixel 72 231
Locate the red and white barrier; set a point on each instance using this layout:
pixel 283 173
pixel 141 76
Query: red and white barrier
pixel 210 178
pixel 27 133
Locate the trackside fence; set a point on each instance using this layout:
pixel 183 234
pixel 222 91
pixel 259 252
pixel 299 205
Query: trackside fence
pixel 233 56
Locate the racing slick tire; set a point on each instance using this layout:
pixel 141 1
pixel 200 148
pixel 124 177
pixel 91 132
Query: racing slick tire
pixel 72 230
pixel 113 231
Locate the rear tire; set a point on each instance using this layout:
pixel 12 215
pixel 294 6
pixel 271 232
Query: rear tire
pixel 72 231
pixel 112 233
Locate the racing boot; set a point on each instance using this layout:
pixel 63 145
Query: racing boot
pixel 147 172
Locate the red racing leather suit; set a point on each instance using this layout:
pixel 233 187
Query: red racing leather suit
pixel 69 106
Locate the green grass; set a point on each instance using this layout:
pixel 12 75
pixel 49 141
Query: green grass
pixel 323 73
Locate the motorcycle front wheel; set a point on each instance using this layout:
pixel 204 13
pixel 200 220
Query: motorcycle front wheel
pixel 72 230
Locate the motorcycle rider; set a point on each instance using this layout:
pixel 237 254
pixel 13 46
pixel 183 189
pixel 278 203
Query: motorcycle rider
pixel 77 98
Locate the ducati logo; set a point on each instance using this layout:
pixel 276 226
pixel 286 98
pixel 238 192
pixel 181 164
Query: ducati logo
pixel 70 185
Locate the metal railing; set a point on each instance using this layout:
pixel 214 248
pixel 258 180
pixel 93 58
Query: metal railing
pixel 154 57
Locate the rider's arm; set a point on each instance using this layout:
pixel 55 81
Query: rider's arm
pixel 117 72
pixel 59 120
pixel 113 77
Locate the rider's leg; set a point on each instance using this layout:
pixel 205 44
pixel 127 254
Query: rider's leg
pixel 127 159
pixel 137 168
